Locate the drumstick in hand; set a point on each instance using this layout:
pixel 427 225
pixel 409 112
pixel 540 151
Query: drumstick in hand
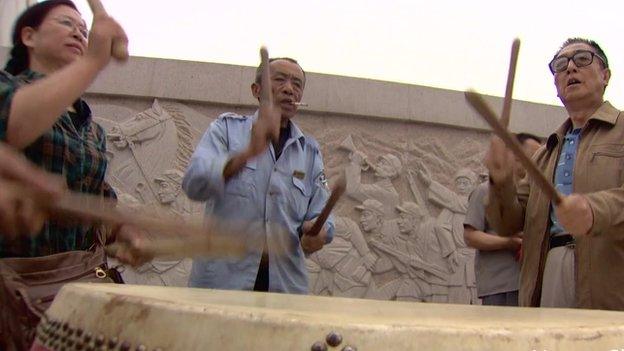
pixel 267 107
pixel 120 47
pixel 477 102
pixel 511 74
pixel 339 189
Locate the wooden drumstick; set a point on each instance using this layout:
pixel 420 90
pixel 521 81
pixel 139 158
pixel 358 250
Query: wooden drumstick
pixel 339 189
pixel 477 102
pixel 194 246
pixel 511 74
pixel 207 240
pixel 120 47
pixel 266 96
pixel 97 209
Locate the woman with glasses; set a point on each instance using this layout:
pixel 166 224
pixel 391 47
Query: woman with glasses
pixel 53 61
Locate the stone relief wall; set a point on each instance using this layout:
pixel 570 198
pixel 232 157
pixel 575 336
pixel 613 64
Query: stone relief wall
pixel 409 187
pixel 148 154
pixel 399 232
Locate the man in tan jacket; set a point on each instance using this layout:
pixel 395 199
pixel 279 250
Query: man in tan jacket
pixel 573 252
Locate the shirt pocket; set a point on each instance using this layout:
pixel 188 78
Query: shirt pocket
pixel 299 196
pixel 606 166
pixel 242 183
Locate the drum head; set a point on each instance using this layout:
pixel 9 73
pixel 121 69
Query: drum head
pixel 167 318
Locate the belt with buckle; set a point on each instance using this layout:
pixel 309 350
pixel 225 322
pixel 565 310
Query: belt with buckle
pixel 561 240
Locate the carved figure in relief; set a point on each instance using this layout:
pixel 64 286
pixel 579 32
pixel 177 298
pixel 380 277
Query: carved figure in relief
pixel 387 168
pixel 169 182
pixel 169 193
pixel 428 247
pixel 343 267
pixel 141 152
pixel 150 152
pixel 462 287
pixel 383 244
pixel 453 203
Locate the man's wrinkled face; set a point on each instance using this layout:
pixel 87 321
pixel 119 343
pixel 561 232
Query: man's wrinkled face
pixel 287 82
pixel 581 83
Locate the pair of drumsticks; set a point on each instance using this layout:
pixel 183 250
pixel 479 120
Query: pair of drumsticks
pixel 499 127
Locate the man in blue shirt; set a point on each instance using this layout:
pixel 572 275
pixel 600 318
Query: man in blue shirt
pixel 263 173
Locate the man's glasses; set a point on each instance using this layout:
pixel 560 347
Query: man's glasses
pixel 71 25
pixel 581 58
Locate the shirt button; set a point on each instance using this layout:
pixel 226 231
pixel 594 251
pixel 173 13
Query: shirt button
pixel 571 142
pixel 567 174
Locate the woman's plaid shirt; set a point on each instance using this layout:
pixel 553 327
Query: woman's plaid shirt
pixel 74 147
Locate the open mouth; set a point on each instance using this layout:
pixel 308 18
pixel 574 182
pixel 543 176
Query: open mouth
pixel 573 81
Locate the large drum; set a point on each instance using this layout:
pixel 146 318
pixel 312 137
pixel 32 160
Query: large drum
pixel 118 317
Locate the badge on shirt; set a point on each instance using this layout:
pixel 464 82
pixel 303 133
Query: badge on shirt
pixel 323 180
pixel 299 174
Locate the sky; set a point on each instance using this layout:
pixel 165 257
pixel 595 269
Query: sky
pixel 446 44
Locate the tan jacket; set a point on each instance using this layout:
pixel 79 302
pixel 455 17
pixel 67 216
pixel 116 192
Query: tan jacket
pixel 599 175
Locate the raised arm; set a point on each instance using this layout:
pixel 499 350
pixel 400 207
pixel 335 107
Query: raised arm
pixel 266 128
pixel 506 202
pixel 35 107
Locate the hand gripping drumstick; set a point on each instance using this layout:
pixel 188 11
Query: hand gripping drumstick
pixel 120 47
pixel 477 102
pixel 511 74
pixel 339 189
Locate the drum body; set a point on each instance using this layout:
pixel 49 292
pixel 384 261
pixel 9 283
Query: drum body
pixel 118 317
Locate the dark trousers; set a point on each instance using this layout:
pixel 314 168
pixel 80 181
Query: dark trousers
pixel 509 298
pixel 262 278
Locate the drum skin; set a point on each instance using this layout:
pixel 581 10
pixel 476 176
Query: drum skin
pixel 168 318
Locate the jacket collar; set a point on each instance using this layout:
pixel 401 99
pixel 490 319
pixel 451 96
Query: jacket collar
pixel 606 113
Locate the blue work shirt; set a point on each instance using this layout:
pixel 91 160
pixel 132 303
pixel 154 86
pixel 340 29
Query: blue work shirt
pixel 271 198
pixel 564 173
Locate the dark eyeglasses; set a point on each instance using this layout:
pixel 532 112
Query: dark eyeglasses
pixel 581 58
